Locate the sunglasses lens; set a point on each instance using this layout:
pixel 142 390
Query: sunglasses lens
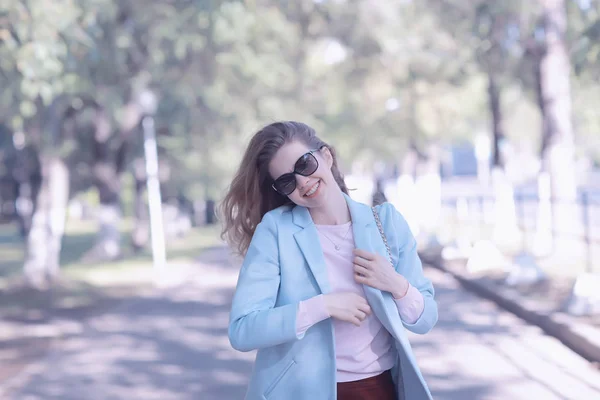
pixel 306 165
pixel 285 184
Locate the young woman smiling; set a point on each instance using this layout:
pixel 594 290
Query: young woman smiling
pixel 328 285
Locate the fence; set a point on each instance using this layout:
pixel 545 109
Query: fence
pixel 535 219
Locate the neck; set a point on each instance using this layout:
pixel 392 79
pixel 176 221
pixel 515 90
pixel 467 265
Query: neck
pixel 334 212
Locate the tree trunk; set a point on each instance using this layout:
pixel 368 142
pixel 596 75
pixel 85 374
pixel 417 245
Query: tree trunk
pixel 42 258
pixel 538 54
pixel 141 228
pixel 496 111
pixel 26 173
pixel 505 227
pixel 107 246
pixel 108 170
pixel 557 141
pixel 174 218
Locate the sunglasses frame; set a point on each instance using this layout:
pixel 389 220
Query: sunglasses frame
pixel 311 152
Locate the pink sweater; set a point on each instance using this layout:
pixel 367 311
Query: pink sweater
pixel 361 351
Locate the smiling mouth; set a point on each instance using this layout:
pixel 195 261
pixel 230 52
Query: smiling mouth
pixel 313 190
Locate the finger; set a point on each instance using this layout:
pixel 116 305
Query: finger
pixel 365 308
pixel 376 284
pixel 362 261
pixel 357 297
pixel 359 269
pixel 365 254
pixel 369 281
pixel 361 315
pixel 361 300
pixel 355 321
pixel 360 278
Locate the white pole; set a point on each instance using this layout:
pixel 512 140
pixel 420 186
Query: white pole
pixel 154 199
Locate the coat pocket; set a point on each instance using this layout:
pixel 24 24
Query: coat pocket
pixel 278 379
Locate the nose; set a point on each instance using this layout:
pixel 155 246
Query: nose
pixel 301 182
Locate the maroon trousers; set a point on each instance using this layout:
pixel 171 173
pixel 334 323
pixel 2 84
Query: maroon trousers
pixel 380 387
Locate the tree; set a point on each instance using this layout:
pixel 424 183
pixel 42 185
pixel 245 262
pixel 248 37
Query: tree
pixel 35 45
pixel 584 44
pixel 557 147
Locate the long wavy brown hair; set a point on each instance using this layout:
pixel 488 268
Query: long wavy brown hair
pixel 250 195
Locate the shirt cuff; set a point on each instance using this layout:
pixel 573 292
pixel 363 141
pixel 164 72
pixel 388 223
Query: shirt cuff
pixel 411 306
pixel 310 312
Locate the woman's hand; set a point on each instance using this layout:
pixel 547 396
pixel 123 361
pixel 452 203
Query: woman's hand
pixel 376 271
pixel 347 306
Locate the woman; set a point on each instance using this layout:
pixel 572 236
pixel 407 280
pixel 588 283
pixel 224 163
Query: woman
pixel 317 295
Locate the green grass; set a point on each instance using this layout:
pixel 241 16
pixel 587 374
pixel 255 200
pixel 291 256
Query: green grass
pixel 11 250
pixel 84 285
pixel 134 269
pixel 79 238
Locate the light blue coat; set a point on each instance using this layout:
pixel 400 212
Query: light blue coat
pixel 285 265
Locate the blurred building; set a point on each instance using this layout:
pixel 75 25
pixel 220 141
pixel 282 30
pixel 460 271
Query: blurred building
pixel 459 160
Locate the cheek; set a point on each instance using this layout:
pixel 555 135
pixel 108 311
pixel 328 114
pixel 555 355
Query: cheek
pixel 296 198
pixel 325 173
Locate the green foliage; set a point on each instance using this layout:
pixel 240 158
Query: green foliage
pixel 370 76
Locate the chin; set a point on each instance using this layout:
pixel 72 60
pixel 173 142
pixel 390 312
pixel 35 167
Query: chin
pixel 319 199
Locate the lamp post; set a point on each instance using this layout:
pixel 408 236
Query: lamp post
pixel 149 104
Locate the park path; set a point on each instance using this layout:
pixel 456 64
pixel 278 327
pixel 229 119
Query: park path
pixel 173 345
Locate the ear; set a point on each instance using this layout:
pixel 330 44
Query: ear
pixel 327 156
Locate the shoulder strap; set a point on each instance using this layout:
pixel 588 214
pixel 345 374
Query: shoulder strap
pixel 382 233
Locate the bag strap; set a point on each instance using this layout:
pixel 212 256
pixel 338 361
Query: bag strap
pixel 401 387
pixel 382 233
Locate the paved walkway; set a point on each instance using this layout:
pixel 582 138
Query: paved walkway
pixel 478 351
pixel 175 346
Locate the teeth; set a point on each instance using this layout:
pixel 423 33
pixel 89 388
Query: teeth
pixel 313 190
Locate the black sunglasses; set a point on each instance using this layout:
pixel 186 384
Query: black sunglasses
pixel 305 166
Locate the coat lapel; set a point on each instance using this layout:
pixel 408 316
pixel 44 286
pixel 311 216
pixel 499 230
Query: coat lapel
pixel 364 229
pixel 308 241
pixel 367 237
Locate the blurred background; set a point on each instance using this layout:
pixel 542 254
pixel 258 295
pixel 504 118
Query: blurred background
pixel 123 121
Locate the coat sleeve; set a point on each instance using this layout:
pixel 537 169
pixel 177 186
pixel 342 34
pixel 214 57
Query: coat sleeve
pixel 408 263
pixel 255 322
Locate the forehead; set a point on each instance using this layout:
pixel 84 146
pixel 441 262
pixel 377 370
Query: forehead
pixel 285 158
